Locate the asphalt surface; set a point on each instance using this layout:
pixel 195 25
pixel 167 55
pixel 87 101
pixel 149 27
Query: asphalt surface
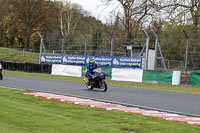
pixel 183 103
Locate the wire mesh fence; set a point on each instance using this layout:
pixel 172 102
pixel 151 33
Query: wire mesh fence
pixel 173 44
pixel 96 43
pixel 171 65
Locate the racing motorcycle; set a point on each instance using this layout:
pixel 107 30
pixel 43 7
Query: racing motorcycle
pixel 1 74
pixel 97 80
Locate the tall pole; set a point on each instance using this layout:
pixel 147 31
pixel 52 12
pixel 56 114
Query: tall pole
pixel 187 49
pixel 147 49
pixel 85 38
pixel 41 44
pixel 162 59
pixel 111 43
pixel 156 48
pixel 63 45
pixel 111 49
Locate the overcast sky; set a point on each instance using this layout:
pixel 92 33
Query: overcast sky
pixel 95 8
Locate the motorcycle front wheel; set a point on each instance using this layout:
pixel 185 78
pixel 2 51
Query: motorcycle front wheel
pixel 89 86
pixel 104 86
pixel 1 76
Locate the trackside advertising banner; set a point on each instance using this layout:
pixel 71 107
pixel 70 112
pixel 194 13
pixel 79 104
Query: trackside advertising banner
pixel 51 59
pixel 73 60
pixel 102 61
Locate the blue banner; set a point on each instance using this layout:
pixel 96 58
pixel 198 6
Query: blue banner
pixel 74 59
pixel 135 62
pixel 51 59
pixel 105 61
pixel 102 61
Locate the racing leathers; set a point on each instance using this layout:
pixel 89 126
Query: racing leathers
pixel 90 69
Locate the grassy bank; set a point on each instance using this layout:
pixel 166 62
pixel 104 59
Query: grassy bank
pixel 18 55
pixel 21 113
pixel 180 88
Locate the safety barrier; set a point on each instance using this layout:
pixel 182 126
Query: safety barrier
pixel 122 74
pixel 119 74
pixel 162 77
pixel 194 78
pixel 27 67
pixel 148 76
pixel 67 70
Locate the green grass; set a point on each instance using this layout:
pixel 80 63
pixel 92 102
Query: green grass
pixel 19 59
pixel 17 55
pixel 179 88
pixel 21 113
pixel 18 52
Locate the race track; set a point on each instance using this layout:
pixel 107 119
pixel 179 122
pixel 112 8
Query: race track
pixel 183 103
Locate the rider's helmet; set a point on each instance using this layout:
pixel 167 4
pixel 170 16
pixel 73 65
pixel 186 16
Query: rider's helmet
pixel 92 62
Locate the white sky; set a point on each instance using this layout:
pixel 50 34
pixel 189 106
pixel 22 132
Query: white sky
pixel 95 8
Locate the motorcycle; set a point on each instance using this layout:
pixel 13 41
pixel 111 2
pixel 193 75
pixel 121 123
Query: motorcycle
pixel 97 80
pixel 1 74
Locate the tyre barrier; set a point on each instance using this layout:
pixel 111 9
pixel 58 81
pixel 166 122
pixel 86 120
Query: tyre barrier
pixel 27 67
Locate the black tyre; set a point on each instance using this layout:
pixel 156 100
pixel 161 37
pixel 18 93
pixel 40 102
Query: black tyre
pixel 1 76
pixel 89 86
pixel 104 86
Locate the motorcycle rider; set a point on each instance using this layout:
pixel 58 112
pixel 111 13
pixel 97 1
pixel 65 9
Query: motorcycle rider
pixel 90 67
pixel 1 75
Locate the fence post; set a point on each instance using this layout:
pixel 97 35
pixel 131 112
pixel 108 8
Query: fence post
pixel 63 45
pixel 23 52
pixel 111 49
pixel 41 44
pixel 187 48
pixel 168 65
pixel 111 43
pixel 157 47
pixel 147 49
pixel 85 38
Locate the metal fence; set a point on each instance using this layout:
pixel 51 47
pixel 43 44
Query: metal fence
pixel 36 52
pixel 100 42
pixel 180 49
pixel 171 65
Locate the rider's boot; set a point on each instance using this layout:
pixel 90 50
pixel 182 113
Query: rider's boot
pixel 85 80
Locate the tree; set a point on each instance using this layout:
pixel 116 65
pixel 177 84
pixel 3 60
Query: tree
pixel 6 19
pixel 69 16
pixel 186 11
pixel 136 13
pixel 31 15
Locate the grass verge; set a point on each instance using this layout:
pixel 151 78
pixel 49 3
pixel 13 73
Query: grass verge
pixel 21 59
pixel 18 55
pixel 21 113
pixel 179 88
